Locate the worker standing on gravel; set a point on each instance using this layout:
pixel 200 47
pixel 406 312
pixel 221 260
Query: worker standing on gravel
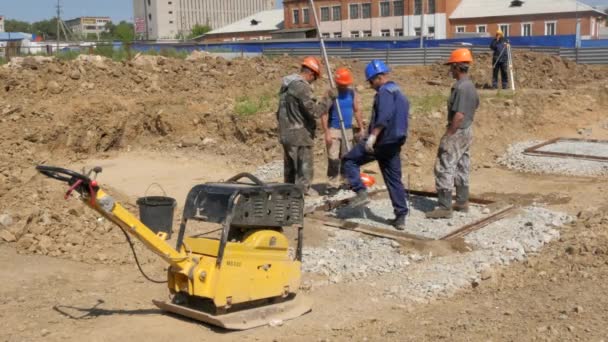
pixel 297 118
pixel 453 157
pixel 387 132
pixel 348 100
pixel 500 60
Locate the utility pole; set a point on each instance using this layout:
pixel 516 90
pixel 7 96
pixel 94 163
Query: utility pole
pixel 422 23
pixel 58 21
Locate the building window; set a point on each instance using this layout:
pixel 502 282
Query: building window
pixel 170 12
pixel 550 28
pixel 398 8
pixel 385 33
pixel 170 2
pixel 337 34
pixel 431 8
pixel 170 21
pixel 398 32
pixel 385 9
pixel 337 13
pixel 417 7
pixel 324 35
pixel 431 30
pixel 354 34
pixel 505 29
pixel 150 16
pixel 366 11
pixel 324 13
pixel 526 29
pixel 482 29
pixel 461 29
pixel 417 31
pixel 354 11
pixel 305 16
pixel 296 16
pixel 367 33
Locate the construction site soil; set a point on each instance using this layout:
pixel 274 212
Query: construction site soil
pixel 183 122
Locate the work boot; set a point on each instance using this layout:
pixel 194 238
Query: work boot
pixel 444 209
pixel 359 200
pixel 399 222
pixel 462 199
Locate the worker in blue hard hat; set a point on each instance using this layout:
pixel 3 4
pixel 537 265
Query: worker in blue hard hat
pixel 386 134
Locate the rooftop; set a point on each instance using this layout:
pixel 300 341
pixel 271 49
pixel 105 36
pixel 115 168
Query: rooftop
pixel 501 8
pixel 262 21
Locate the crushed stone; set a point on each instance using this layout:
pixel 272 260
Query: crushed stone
pixel 516 160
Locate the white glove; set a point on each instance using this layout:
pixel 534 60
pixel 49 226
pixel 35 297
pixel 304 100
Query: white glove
pixel 369 145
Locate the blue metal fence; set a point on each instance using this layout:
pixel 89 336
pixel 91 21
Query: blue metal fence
pixel 564 41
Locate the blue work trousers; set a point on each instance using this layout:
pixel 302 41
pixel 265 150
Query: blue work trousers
pixel 389 160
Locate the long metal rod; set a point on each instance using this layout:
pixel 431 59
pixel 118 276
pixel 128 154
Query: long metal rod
pixel 330 76
pixel 534 150
pixel 477 225
pixel 511 77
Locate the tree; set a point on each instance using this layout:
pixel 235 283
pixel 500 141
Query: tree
pixel 47 29
pixel 12 25
pixel 124 32
pixel 199 30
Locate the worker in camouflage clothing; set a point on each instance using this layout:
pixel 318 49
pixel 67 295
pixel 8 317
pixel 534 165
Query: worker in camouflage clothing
pixel 453 157
pixel 297 117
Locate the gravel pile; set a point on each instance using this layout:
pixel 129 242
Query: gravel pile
pixel 270 171
pixel 500 243
pixel 351 256
pixel 379 212
pixel 515 159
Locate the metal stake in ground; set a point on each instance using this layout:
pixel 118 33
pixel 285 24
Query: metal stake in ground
pixel 330 76
pixel 510 55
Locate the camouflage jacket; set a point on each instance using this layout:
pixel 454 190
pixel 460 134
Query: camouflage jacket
pixel 298 112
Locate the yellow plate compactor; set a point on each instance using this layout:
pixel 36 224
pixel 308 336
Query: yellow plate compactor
pixel 248 277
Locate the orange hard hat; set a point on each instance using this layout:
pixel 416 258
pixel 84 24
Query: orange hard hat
pixel 313 64
pixel 461 56
pixel 368 180
pixel 343 77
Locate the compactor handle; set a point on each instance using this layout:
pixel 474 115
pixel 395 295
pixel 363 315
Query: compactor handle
pixel 247 175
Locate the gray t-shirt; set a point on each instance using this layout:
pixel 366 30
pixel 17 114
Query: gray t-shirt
pixel 463 99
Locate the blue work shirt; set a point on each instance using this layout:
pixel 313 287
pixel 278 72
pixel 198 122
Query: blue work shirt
pixel 391 111
pixel 346 99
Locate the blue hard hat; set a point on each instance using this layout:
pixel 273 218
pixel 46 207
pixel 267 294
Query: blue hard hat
pixel 374 68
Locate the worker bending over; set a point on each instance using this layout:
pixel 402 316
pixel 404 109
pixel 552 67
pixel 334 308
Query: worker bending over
pixel 348 100
pixel 453 157
pixel 297 117
pixel 387 132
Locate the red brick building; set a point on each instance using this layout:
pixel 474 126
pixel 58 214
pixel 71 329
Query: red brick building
pixel 444 18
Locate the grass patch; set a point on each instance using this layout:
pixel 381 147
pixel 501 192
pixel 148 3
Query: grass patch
pixel 173 53
pixel 428 103
pixel 3 61
pixel 247 106
pixel 68 55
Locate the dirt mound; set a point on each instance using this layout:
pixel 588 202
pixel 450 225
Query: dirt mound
pixel 532 71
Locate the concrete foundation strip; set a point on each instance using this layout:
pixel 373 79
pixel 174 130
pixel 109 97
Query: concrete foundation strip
pixel 534 150
pixel 477 225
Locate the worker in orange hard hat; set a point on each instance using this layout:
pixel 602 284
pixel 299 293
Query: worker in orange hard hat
pixel 350 107
pixel 500 60
pixel 453 157
pixel 297 116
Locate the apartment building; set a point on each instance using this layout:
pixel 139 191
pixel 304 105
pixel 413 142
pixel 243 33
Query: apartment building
pixel 170 19
pixel 1 23
pixel 441 19
pixel 84 26
pixel 371 18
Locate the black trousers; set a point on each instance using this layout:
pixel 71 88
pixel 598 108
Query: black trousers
pixel 504 76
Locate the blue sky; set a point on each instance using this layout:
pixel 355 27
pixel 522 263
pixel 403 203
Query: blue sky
pixel 34 10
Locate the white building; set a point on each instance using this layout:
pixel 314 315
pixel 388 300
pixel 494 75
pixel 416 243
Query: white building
pixel 1 23
pixel 83 26
pixel 164 19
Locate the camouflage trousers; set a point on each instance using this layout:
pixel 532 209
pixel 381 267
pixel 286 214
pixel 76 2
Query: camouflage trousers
pixel 335 152
pixel 454 160
pixel 298 166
